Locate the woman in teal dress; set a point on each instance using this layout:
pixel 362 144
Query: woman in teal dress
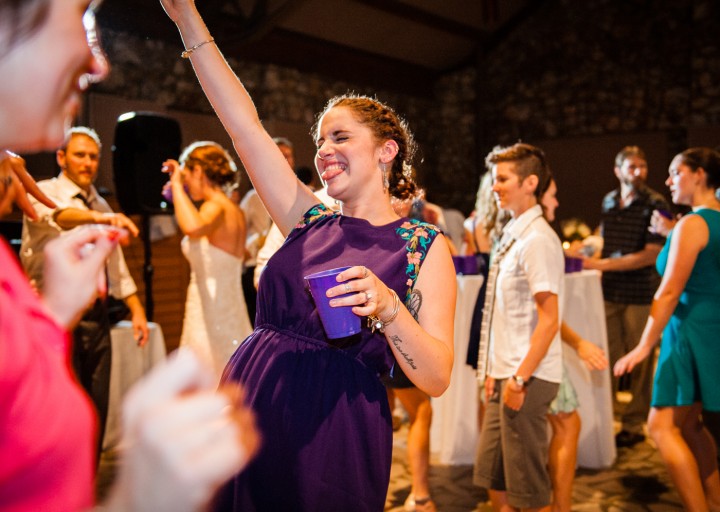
pixel 686 310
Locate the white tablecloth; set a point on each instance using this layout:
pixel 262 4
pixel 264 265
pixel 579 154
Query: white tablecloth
pixel 454 428
pixel 454 432
pixel 584 311
pixel 129 364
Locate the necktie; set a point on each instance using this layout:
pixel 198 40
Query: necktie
pixel 505 245
pixel 87 201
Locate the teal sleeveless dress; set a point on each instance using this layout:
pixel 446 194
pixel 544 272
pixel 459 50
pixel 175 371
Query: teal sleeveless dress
pixel 689 359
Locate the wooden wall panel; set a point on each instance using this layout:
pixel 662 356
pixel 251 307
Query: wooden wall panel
pixel 170 280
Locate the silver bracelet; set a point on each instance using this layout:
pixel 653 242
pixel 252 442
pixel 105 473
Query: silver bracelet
pixel 374 322
pixel 186 54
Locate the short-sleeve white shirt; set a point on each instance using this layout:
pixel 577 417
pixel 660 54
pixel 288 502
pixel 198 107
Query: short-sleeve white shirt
pixel 533 264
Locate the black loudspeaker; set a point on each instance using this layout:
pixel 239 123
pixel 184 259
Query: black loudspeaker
pixel 143 141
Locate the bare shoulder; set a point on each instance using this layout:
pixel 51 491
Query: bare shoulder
pixel 691 233
pixel 437 268
pixel 691 225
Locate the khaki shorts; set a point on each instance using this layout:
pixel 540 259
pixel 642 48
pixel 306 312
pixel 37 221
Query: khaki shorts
pixel 513 449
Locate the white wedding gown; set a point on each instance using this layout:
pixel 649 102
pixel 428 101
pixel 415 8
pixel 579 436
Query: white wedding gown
pixel 216 319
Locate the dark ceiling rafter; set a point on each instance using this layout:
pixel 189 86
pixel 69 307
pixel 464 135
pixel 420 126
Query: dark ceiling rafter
pixel 307 53
pixel 430 20
pixel 499 35
pixel 277 46
pixel 137 17
pixel 252 30
pixel 228 21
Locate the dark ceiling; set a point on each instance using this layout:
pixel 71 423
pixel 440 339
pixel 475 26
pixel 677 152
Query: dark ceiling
pixel 395 44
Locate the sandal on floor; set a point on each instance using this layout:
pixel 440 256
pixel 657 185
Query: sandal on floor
pixel 425 504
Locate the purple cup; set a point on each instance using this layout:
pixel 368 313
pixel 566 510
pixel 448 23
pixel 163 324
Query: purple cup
pixel 665 214
pixel 457 262
pixel 573 264
pixel 466 265
pixel 470 265
pixel 338 322
pixel 168 194
pixel 578 264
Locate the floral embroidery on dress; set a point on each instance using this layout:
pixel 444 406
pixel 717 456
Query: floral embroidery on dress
pixel 317 212
pixel 419 236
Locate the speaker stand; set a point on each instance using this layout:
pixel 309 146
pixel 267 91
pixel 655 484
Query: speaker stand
pixel 148 269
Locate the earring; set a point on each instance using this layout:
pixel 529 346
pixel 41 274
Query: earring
pixel 386 183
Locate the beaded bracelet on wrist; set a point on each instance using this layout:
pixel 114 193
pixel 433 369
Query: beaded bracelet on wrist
pixel 186 54
pixel 376 324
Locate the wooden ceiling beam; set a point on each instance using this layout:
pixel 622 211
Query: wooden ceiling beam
pixel 427 19
pixel 306 53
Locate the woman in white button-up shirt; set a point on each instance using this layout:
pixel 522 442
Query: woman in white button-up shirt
pixel 525 359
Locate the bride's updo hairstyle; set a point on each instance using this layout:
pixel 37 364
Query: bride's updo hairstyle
pixel 216 163
pixel 385 125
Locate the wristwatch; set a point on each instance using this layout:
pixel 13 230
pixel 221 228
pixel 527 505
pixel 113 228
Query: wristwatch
pixel 519 380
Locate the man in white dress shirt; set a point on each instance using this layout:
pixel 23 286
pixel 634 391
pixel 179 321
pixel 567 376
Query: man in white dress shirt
pixel 78 203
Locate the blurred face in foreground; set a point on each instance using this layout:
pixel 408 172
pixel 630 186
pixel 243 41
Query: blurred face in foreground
pixel 44 74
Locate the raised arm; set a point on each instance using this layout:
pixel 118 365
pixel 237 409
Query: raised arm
pixel 193 222
pixel 285 197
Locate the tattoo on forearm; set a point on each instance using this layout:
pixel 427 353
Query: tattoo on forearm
pixel 414 302
pixel 409 360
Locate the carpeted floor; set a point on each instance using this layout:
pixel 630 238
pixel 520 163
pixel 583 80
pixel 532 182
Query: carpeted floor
pixel 637 481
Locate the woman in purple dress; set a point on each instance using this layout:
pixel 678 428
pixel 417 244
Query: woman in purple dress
pixel 321 405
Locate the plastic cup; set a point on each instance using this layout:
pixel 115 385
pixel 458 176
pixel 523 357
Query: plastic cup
pixel 457 262
pixel 470 265
pixel 578 265
pixel 573 264
pixel 167 193
pixel 466 265
pixel 338 322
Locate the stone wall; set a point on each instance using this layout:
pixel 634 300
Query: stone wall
pixel 604 66
pixel 280 94
pixel 574 69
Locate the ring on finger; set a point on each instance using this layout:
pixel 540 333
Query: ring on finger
pixel 347 288
pixel 368 296
pixel 365 273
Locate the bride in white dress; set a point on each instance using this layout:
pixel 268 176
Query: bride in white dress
pixel 216 319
